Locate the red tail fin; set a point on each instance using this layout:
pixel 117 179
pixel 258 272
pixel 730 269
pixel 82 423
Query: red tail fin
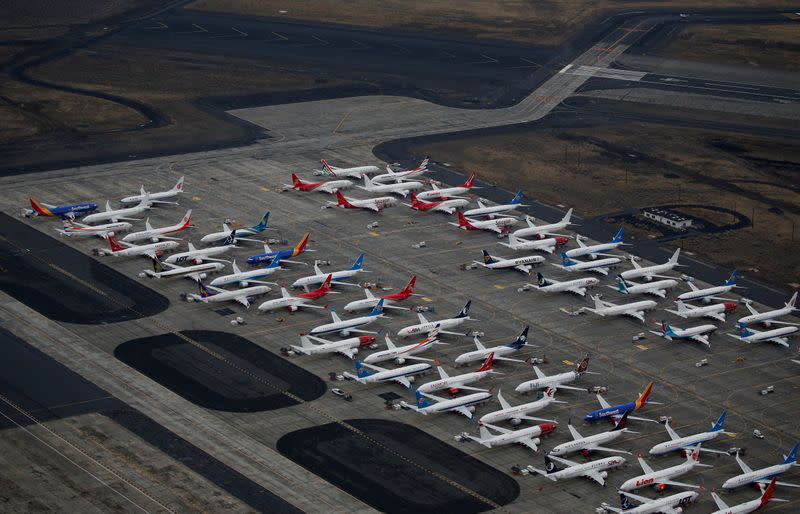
pixel 302 245
pixel 326 286
pixel 342 201
pixel 114 244
pixel 487 364
pixel 470 180
pixel 39 209
pixel 414 200
pixel 644 396
pixel 296 182
pixel 770 490
pixel 462 221
pixel 410 286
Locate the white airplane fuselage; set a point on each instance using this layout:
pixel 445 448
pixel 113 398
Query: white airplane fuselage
pixel 654 478
pixel 618 310
pixel 143 249
pixel 673 502
pixel 198 254
pixel 551 381
pixel 159 195
pixel 683 442
pixel 453 382
pixel 243 277
pixel 115 214
pixel 658 287
pixel 647 271
pixel 392 374
pixel 780 332
pixel 703 293
pixel 593 265
pixel 442 193
pixel 516 412
pixel 462 401
pixel 95 230
pixel 227 296
pixel 765 316
pixel 424 328
pixel 591 250
pixel 586 443
pixel 481 355
pixel 577 285
pixel 344 326
pixel 399 353
pixel 319 279
pixel 207 267
pixel 755 475
pixel 581 469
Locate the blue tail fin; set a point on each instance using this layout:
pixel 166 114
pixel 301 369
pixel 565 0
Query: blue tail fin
pixel 359 262
pixel 421 400
pixel 566 261
pixel 361 371
pixel 792 457
pixel 624 502
pixel 618 237
pixel 465 311
pixel 517 198
pixel 667 329
pixel 204 292
pixel 623 286
pixel 732 279
pixel 231 239
pixel 262 225
pixel 487 259
pixel 377 309
pixel 744 331
pixel 521 339
pixel 720 424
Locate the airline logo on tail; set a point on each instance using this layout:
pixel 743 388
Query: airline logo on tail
pixel 792 457
pixel 521 339
pixel 583 365
pixel 732 279
pixel 422 402
pixel 719 425
pixel 487 364
pixel 361 371
pixel 378 309
pixel 624 502
pixel 744 332
pixel 623 286
pixel 542 281
pixel 470 180
pixel 204 292
pixel 487 259
pixel 463 222
pixel 642 400
pixel 114 244
pixel 465 311
pixel 179 185
pixel 667 329
pixel 618 237
pixel 359 262
pixel 517 198
pixel 262 225
pixel 230 240
pixel 341 201
pixel 301 246
pixel 566 261
pixel 326 168
pixel 792 301
pixel 40 209
pixel 409 289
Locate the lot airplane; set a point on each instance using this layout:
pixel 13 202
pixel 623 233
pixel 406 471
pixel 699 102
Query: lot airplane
pixel 559 380
pixel 522 264
pixel 157 234
pixel 616 411
pixel 447 206
pixel 424 326
pixel 633 309
pixel 593 442
pixel 484 210
pixel 499 352
pixel 456 383
pixel 697 333
pixel 598 265
pixel 310 345
pixel 269 254
pixel 356 172
pixel 746 507
pixel 543 245
pixel 657 288
pixel 650 272
pixel 768 317
pixel 709 293
pixel 716 311
pixel 347 326
pixel 776 335
pixel 319 276
pixel 399 354
pixel 198 255
pixel 762 476
pixel 577 286
pixel 515 414
pixel 593 251
pixel 529 436
pixel 152 250
pixel 399 176
pixel 595 470
pixel 689 442
pixel 464 405
pixel 369 373
pixel 389 300
pixel 398 188
pixel 115 215
pixel 371 204
pixel 211 294
pixel 663 478
pixel 62 211
pixel 672 504
pixel 293 303
pixel 72 229
pixel 245 278
pixel 542 230
pixel 447 192
pixel 226 232
pixel 330 186
pixel 157 197
pixel 499 225
pixel 195 272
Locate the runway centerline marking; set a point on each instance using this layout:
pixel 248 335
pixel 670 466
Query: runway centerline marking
pixel 341 122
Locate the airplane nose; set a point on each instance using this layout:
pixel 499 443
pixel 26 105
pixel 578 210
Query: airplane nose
pixel 730 306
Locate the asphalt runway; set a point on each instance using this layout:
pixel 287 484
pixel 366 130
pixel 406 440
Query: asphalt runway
pixel 398 468
pixel 246 378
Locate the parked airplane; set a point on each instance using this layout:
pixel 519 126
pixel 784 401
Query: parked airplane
pixel 522 264
pixel 599 249
pixel 596 469
pixel 484 210
pixel 633 309
pixel 529 436
pixel 157 197
pixel 663 478
pixel 447 192
pixel 716 311
pixel 369 373
pixel 577 286
pixel 348 326
pixel 768 317
pixel 338 276
pixel 62 211
pixel 464 405
pixel 157 234
pixel 72 229
pixel 776 335
pixel 152 250
pixel 115 215
pixel 244 278
pixel 226 232
pixel 559 380
pixel 762 476
pixel 424 326
pixel 672 504
pixel 330 186
pixel 269 254
pixel 372 204
pixel 544 245
pixel 499 351
pixel 697 333
pixel 542 230
pixel 389 300
pixel 198 255
pixel 657 288
pixel 456 383
pixel 398 188
pixel 593 442
pixel 515 414
pixel 447 206
pixel 399 176
pixel 689 442
pixel 399 354
pixel 287 301
pixel 332 171
pixel 211 294
pixel 347 347
pixel 616 411
pixel 499 225
pixel 746 507
pixel 195 272
pixel 649 272
pixel 709 293
pixel 598 265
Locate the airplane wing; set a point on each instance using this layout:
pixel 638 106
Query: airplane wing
pixel 718 316
pixel 721 505
pixel 752 309
pixel 151 254
pixel 532 418
pixel 451 333
pixel 645 466
pixel 529 443
pixel 371 207
pixel 604 449
pixel 341 283
pixel 463 410
pixel 742 464
pixel 368 332
pixel 603 403
pixel 562 386
pixel 636 418
pixel 700 338
pixel 470 388
pixel 574 431
pixel 636 314
pixel 780 340
pixel 602 271
pixel 672 433
pixel 243 300
pixel 349 352
pixel 509 359
pixel 594 475
pixel 640 499
pixel 403 380
pixel 422 319
pixel 495 228
pixel 561 460
pixel 677 484
pixel 578 290
pixel 523 268
pixel 762 483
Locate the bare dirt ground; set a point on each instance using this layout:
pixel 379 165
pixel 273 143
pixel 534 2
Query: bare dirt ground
pixel 543 22
pixel 603 170
pixel 766 46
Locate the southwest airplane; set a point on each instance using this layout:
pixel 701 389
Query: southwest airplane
pixel 559 380
pixel 62 211
pixel 577 286
pixel 269 254
pixel 459 382
pixel 520 412
pixel 543 245
pixel 330 187
pixel 768 317
pixel 697 333
pixel 399 354
pixel 424 326
pixel 152 250
pixel 211 294
pixel 499 225
pixel 389 300
pixel 448 192
pixel 464 405
pixel 746 507
pixel 616 411
pixel 522 264
pixel 398 176
pixel 332 171
pixel 672 504
pixel 244 278
pixel 776 335
pixel 529 436
pixel 319 277
pixel 542 230
pixel 596 469
pixel 287 301
pixel 593 442
pixel 709 293
pixel 716 311
pixel 376 374
pixel 689 442
pixel 347 347
pixel 226 232
pixel 115 215
pixel 599 249
pixel 347 326
pixel 195 272
pixel 158 196
pixel 371 204
pixel 398 188
pixel 447 206
pixel 499 351
pixel 203 254
pixel 483 210
pixel 762 476
pixel 634 309
pixel 598 265
pixel 157 234
pixel 72 229
pixel 657 288
pixel 648 272
pixel 663 478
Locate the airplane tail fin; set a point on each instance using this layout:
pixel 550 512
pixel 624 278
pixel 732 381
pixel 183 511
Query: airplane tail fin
pixel 326 285
pixel 327 168
pixel 204 291
pixel 792 301
pixel 114 244
pixel 262 225
pixel 622 285
pixel 178 187
pixel 39 209
pixel 792 457
pixel 301 246
pixel 487 364
pixel 187 219
pixel 465 311
pixel 463 222
pixel 487 258
pixel 619 235
pixel 583 365
pixel 674 258
pixel 422 402
pixel 720 424
pixel 305 342
pixel 522 338
pixel 376 311
pixel 542 281
pixel 358 263
pixel 409 289
pixel 642 400
pixel 566 261
pixel 361 371
pixel 470 180
pixel 621 422
pixel 744 331
pixel 597 303
pixel 296 182
pixel 414 200
pixel 624 502
pixel 517 198
pixel 549 465
pixel 732 279
pixel 667 329
pixel 424 164
pixel 230 240
pixel 567 217
pixel 769 492
pixel 341 201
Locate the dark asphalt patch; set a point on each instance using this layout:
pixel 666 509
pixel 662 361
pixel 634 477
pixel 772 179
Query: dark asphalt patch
pixel 65 285
pixel 376 475
pixel 234 375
